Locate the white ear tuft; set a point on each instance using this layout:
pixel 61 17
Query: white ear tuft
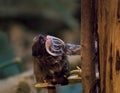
pixel 54 46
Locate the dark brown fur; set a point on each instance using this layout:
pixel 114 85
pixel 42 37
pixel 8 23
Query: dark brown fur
pixel 52 69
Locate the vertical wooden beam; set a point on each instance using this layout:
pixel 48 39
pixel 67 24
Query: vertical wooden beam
pixel 51 89
pixel 87 41
pixel 109 46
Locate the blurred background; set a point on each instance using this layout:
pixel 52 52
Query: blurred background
pixel 20 21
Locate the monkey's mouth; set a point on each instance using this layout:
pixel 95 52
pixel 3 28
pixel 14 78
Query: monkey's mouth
pixel 54 46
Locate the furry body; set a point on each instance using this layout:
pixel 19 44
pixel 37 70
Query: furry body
pixel 48 68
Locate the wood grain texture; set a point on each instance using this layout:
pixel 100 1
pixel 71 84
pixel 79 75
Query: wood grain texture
pixel 87 42
pixel 109 46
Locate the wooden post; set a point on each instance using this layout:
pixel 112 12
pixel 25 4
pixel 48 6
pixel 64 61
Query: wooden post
pixel 51 89
pixel 87 42
pixel 109 46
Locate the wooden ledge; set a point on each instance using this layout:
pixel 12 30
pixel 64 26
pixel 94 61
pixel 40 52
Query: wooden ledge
pixel 74 80
pixel 51 88
pixel 45 85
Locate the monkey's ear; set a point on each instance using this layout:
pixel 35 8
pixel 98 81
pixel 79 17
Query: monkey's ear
pixel 72 49
pixel 54 46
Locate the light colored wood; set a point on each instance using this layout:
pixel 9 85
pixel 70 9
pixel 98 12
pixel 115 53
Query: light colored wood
pixel 43 85
pixel 75 80
pixel 109 46
pixel 50 88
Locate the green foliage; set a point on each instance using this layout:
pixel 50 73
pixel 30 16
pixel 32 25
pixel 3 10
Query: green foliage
pixel 8 65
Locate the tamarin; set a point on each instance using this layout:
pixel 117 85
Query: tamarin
pixel 50 59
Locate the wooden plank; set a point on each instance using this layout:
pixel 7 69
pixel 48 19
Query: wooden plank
pixel 109 46
pixel 50 88
pixel 118 11
pixel 87 42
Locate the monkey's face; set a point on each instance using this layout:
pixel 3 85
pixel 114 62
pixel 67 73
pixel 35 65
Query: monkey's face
pixel 47 44
pixel 48 50
pixel 38 46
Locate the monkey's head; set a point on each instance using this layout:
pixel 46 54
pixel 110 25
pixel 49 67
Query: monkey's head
pixel 38 46
pixel 46 44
